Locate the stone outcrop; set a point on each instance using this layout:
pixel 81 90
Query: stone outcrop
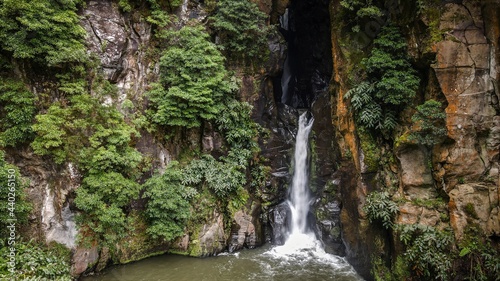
pixel 118 41
pixel 466 69
pixel 457 183
pixel 245 232
pixel 212 238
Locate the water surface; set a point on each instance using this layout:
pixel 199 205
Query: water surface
pixel 264 264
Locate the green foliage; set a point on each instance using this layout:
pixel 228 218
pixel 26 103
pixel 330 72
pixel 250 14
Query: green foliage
pixel 17 112
pixel 379 207
pixel 168 208
pixel 359 10
pixel 98 140
pixel 46 31
pixel 430 122
pixel 427 250
pixel 478 258
pixel 240 131
pixel 223 178
pixel 193 80
pixel 371 150
pixel 37 262
pixel 391 82
pixel 241 28
pixel 397 272
pixel 64 132
pixel 13 187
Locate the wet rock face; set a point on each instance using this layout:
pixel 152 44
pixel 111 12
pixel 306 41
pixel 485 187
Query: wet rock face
pixel 278 149
pixel 280 221
pixel 245 232
pixel 328 221
pixel 116 39
pixel 467 71
pixel 475 204
pixel 212 238
pixel 309 51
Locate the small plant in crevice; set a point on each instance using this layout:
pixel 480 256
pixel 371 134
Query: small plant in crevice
pixel 359 11
pixel 380 208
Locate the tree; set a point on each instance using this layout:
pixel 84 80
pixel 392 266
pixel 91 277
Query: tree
pixel 47 31
pixel 193 80
pixel 167 209
pixel 241 27
pixel 17 113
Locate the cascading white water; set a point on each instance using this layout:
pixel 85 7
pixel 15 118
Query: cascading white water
pixel 302 245
pixel 299 195
pixel 300 239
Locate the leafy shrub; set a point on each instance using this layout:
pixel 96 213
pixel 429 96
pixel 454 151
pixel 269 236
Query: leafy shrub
pixel 37 262
pixel 379 207
pixel 430 121
pixel 64 131
pixel 46 31
pixel 193 80
pixel 19 208
pixel 391 82
pixel 168 208
pixel 98 140
pixel 426 250
pixel 240 131
pixel 242 30
pixel 222 178
pixel 17 113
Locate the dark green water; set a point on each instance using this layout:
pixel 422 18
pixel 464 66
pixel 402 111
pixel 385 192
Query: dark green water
pixel 259 264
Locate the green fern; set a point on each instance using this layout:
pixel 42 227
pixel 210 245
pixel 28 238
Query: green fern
pixel 379 207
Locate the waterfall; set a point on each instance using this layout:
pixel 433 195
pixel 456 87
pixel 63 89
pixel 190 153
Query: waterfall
pixel 300 238
pixel 299 195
